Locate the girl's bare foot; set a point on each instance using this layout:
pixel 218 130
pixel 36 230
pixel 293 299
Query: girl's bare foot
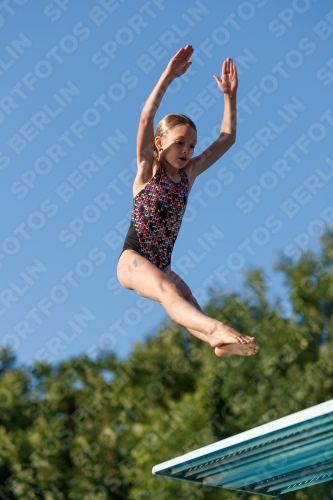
pixel 240 349
pixel 228 341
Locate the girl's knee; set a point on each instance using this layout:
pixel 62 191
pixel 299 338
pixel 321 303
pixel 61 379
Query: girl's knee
pixel 167 287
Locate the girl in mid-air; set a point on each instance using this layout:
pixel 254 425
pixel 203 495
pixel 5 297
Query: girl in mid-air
pixel 165 176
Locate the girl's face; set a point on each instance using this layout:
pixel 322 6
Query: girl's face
pixel 177 147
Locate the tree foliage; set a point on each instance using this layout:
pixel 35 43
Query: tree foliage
pixel 85 430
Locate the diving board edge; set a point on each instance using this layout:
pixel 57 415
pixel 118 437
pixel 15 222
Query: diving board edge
pixel 276 425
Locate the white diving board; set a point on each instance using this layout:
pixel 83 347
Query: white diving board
pixel 284 455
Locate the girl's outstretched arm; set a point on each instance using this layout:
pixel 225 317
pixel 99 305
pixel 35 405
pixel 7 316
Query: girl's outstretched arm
pixel 228 84
pixel 145 138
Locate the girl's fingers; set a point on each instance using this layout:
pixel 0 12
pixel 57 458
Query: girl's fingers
pixel 228 68
pixel 225 68
pixel 184 53
pixel 188 51
pixel 189 48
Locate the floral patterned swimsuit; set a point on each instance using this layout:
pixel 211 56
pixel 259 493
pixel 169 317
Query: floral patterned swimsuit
pixel 157 214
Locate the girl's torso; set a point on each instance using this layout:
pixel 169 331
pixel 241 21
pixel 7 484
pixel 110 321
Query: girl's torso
pixel 158 208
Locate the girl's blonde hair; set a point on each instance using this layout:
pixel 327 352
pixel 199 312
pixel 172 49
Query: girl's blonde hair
pixel 167 123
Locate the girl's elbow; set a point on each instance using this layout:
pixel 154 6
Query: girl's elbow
pixel 144 118
pixel 231 140
pixel 228 138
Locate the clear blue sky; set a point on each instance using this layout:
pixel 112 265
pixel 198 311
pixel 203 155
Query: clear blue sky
pixel 74 76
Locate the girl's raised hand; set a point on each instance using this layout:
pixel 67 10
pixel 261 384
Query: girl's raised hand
pixel 229 82
pixel 180 62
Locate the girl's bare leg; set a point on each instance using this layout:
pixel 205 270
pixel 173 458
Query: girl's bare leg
pixel 187 295
pixel 137 273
